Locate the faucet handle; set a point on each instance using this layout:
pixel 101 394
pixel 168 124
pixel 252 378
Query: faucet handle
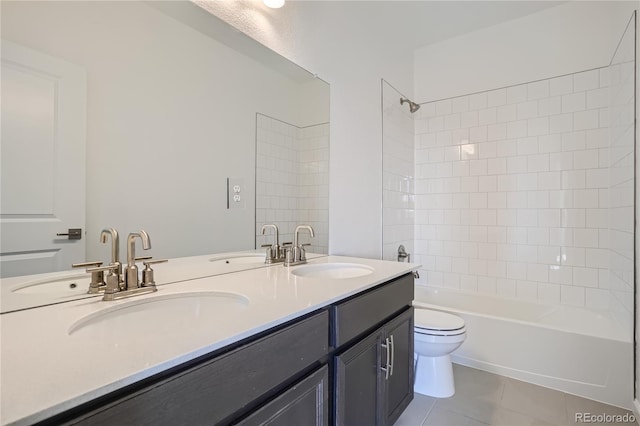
pixel 111 267
pixel 152 262
pixel 147 272
pixel 143 258
pixel 97 276
pixel 113 280
pixel 86 264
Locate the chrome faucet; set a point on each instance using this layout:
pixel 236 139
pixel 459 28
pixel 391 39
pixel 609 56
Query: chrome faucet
pixel 118 285
pixel 115 250
pixel 131 279
pixel 132 284
pixel 296 254
pixel 274 252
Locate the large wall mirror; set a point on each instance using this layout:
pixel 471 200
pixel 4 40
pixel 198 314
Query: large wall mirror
pixel 147 114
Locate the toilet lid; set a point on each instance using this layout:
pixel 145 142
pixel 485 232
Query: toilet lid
pixel 436 320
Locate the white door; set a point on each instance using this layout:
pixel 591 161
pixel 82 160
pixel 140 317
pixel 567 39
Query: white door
pixel 42 154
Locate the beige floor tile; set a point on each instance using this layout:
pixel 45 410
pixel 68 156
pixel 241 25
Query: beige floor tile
pixel 477 405
pixel 477 394
pixel 417 411
pixel 473 382
pixel 534 401
pixel 489 399
pixel 505 417
pixel 442 417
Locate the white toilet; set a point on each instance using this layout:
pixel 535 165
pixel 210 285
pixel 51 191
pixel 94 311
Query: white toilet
pixel 437 334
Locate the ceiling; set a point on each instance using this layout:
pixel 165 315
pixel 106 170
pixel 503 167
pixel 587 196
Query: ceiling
pixel 426 22
pixel 415 22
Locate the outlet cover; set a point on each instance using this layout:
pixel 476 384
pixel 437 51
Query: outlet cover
pixel 236 193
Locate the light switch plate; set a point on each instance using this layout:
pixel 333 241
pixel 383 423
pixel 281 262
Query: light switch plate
pixel 235 193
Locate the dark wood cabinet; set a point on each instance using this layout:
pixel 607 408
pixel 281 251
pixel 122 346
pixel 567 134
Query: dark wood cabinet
pixel 399 387
pixel 364 312
pixel 305 403
pixel 374 378
pixel 358 383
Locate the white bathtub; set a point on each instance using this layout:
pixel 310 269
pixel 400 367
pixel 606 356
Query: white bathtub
pixel 575 350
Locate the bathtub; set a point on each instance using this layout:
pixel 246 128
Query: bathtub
pixel 574 350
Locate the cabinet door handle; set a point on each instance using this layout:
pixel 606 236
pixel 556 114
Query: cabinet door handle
pixel 393 353
pixel 387 366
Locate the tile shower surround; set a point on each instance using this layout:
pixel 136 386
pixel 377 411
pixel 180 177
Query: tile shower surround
pixel 292 180
pixel 512 191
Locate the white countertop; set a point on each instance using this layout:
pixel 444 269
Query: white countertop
pixel 17 293
pixel 45 370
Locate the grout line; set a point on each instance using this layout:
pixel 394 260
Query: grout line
pixel 433 404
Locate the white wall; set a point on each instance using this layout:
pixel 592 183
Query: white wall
pixel 166 125
pixel 352 58
pixel 315 96
pixel 574 36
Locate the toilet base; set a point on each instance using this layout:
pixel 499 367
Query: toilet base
pixel 434 376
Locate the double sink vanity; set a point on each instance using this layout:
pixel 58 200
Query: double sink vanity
pixel 231 340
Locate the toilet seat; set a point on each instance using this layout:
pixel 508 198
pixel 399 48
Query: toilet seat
pixel 435 323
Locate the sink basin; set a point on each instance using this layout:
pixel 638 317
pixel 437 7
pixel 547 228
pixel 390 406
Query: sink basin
pixel 69 285
pixel 244 259
pixel 332 271
pixel 164 315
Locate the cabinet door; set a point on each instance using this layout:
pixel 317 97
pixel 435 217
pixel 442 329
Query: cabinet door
pixel 305 403
pixel 359 384
pixel 399 386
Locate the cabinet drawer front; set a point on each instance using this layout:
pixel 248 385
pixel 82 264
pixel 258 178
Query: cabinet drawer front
pixel 305 403
pixel 211 392
pixel 364 312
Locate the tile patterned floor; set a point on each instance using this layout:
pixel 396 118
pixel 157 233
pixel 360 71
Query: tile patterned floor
pixel 488 399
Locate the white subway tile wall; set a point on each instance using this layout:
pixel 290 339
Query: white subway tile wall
pixel 621 179
pixel 292 181
pixel 517 203
pixel 398 165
